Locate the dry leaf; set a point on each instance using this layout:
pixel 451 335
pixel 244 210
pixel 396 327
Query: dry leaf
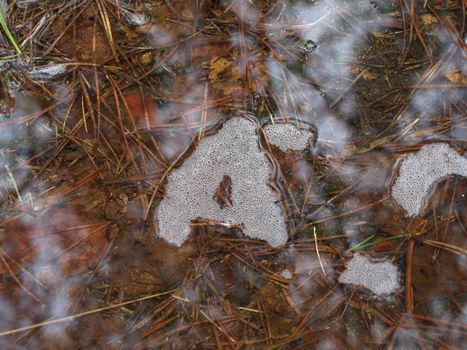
pixel 456 77
pixel 428 19
pixel 355 70
pixel 218 66
pixel 143 109
pixel 224 77
pixel 369 76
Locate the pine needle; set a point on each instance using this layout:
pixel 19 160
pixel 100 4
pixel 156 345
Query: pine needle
pixel 317 251
pixel 82 314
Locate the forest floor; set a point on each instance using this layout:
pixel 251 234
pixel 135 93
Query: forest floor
pixel 100 99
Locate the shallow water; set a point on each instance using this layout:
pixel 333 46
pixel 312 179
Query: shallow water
pixel 109 97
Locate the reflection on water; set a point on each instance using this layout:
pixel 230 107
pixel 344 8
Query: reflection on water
pixel 110 98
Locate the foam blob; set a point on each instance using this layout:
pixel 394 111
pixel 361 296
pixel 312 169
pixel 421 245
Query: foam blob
pixel 379 277
pixel 420 170
pixel 288 137
pixel 232 154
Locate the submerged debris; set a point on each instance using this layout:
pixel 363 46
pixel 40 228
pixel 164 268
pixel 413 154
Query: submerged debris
pixel 286 274
pixel 233 153
pixel 288 137
pixel 40 72
pixel 379 277
pixel 49 71
pixel 134 18
pixel 419 171
pixel 62 242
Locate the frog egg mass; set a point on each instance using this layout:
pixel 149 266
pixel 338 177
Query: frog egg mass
pixel 233 153
pixel 419 171
pixel 288 137
pixel 379 277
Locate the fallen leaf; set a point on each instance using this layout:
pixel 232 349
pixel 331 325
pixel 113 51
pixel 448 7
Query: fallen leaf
pixel 369 76
pixel 62 242
pixel 456 77
pixel 224 77
pixel 355 70
pixel 143 109
pixel 428 19
pixel 218 66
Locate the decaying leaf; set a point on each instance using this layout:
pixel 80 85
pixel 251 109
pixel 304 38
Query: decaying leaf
pixel 456 77
pixel 224 77
pixel 61 242
pixel 368 75
pixel 218 66
pixel 428 19
pixel 142 109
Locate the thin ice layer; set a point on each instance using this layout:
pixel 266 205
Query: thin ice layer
pixel 420 170
pixel 288 137
pixel 234 152
pixel 379 277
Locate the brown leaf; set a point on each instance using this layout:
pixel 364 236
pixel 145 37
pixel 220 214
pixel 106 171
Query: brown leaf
pixel 428 19
pixel 143 109
pixel 369 76
pixel 218 66
pixel 456 77
pixel 60 242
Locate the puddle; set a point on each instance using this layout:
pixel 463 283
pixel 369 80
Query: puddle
pixel 181 175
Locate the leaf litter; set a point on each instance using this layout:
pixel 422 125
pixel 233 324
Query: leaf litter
pixel 86 153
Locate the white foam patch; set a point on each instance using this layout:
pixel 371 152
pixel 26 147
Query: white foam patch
pixel 233 151
pixel 288 137
pixel 420 170
pixel 379 277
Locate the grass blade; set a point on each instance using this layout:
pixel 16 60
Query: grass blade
pixel 8 34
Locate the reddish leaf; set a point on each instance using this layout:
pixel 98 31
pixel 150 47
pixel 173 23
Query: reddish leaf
pixel 142 109
pixel 60 242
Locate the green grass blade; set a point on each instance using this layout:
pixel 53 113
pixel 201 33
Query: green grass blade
pixel 360 244
pixel 8 34
pixel 12 180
